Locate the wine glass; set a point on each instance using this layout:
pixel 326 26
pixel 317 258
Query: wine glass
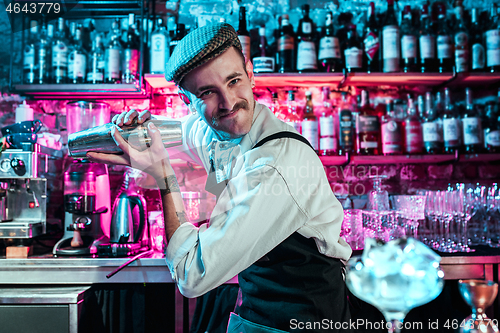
pixel 395 277
pixel 479 295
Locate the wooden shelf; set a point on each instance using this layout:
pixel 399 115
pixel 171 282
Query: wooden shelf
pixel 355 79
pixel 406 159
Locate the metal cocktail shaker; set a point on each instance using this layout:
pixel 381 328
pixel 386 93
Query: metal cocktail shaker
pixel 98 139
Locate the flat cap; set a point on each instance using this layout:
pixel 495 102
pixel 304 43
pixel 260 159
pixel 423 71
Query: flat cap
pixel 198 47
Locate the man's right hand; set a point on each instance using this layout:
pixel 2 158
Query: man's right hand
pixel 131 117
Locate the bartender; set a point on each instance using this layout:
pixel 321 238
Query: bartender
pixel 276 223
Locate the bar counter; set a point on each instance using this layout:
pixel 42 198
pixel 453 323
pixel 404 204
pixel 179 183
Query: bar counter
pixel 153 269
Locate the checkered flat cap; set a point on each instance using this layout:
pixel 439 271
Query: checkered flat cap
pixel 198 47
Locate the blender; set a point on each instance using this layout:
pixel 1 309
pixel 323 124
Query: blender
pixel 86 199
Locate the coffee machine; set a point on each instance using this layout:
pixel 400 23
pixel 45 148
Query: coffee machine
pixel 86 202
pixel 23 190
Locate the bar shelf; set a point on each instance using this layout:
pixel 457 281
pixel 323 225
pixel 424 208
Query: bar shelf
pixel 70 91
pixel 353 79
pixel 407 159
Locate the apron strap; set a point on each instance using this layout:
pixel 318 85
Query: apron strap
pixel 283 134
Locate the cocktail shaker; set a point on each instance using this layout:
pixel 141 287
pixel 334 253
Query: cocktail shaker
pixel 98 139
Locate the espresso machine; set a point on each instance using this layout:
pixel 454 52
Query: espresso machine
pixel 86 202
pixel 23 190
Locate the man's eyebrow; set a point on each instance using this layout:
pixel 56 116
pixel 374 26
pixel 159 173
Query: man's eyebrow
pixel 211 86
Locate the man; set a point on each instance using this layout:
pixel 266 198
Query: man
pixel 276 223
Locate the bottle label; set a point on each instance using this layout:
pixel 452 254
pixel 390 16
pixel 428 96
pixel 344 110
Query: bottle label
pixel 493 57
pixel 471 130
pixel 451 132
pixel 77 65
pixel 306 56
pixel 285 43
pixel 353 57
pixel 366 124
pixel 329 48
pixel 112 63
pixel 263 65
pixel 158 53
pixel 372 44
pixel 59 55
pixel 430 132
pixel 492 39
pixel 346 129
pixel 29 56
pixel 306 27
pixel 439 124
pixel 391 138
pixel 328 143
pixel 245 45
pixel 462 60
pixel 130 61
pixel 310 132
pixel 414 137
pixel 326 126
pixel 444 47
pixel 409 46
pixel 97 77
pixel 368 144
pixel 478 56
pixel 427 47
pixel 492 138
pixel 390 35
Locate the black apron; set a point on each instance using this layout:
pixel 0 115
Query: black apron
pixel 292 284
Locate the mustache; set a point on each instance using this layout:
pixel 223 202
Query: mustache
pixel 222 112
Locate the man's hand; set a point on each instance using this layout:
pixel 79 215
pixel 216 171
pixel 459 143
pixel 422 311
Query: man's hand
pixel 130 117
pixel 154 160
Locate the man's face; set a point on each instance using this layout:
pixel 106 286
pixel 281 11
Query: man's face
pixel 221 92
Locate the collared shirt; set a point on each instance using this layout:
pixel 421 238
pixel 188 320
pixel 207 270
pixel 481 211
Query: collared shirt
pixel 272 191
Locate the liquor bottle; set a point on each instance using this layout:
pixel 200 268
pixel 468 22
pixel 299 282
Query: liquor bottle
pixel 476 40
pixel 451 125
pixel 445 43
pixel 439 109
pixel 427 42
pixel 243 34
pixel 263 63
pixel 461 40
pixel 60 54
pixel 286 46
pixel 30 60
pixel 276 107
pixel 390 40
pixel 391 132
pixel 367 128
pixel 408 42
pixel 491 127
pixel 329 56
pixel 327 135
pixel 492 35
pixel 310 123
pixel 180 31
pixel 72 33
pixel 131 54
pixel 353 51
pixel 430 128
pixel 95 71
pixel 43 53
pixel 112 55
pixel 292 116
pixel 77 60
pixel 471 126
pixel 346 126
pixel 371 42
pixel 159 51
pixel 414 143
pixel 306 49
pixel 50 40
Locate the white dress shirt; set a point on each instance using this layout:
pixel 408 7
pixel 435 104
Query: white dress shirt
pixel 273 191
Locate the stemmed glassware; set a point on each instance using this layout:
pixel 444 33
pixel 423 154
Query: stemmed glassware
pixel 479 295
pixel 395 277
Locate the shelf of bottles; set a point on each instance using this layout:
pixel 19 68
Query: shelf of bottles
pixel 94 51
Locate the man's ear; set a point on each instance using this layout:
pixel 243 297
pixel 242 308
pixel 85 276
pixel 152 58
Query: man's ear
pixel 249 68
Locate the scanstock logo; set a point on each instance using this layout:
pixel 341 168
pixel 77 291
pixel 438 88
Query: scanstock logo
pixel 28 10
